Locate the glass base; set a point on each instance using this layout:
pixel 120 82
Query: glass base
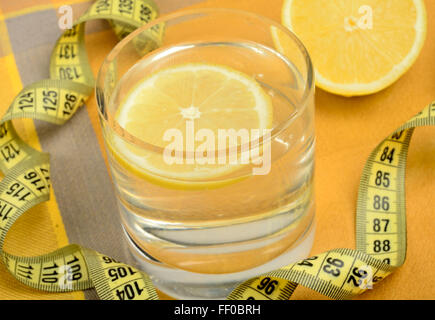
pixel 185 285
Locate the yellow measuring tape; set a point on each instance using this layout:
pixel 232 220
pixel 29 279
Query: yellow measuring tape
pixel 339 274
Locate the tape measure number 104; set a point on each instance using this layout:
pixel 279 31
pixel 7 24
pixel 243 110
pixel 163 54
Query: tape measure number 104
pixel 339 273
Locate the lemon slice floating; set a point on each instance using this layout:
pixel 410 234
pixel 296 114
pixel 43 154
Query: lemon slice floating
pixel 358 47
pixel 211 97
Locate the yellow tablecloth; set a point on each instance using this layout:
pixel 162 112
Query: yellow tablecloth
pixel 347 129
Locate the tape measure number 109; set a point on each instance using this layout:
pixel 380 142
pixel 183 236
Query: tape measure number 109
pixel 339 273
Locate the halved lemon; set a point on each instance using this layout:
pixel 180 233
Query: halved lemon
pixel 358 47
pixel 185 99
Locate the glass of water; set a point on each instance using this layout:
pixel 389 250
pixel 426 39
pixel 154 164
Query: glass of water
pixel 208 121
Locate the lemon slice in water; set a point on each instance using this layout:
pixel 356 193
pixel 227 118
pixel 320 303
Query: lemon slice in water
pixel 202 96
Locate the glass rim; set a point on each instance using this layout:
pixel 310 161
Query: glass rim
pixel 282 125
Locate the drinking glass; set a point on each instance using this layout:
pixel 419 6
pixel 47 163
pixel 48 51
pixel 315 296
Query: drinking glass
pixel 200 238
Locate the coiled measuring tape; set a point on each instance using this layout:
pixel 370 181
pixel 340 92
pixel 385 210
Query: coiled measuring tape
pixel 339 273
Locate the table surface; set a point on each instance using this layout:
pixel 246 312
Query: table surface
pixel 83 210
